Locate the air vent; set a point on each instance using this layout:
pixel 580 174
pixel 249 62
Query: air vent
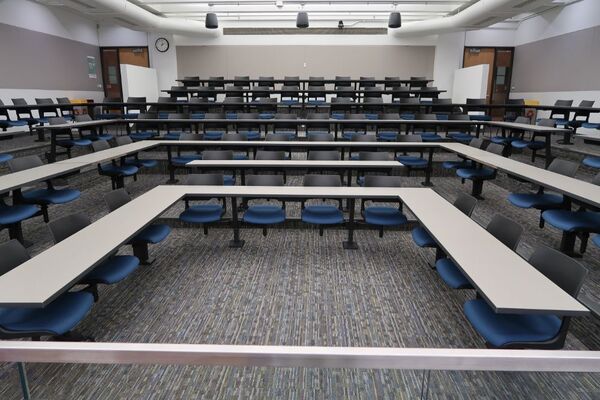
pixel 307 31
pixel 83 4
pixel 125 21
pixel 524 3
pixel 486 21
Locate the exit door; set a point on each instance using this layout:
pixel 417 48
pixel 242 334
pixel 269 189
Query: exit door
pixel 112 58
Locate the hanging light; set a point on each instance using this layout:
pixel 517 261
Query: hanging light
pixel 302 20
pixel 395 20
pixel 211 21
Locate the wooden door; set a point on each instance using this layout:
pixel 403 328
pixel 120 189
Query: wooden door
pixel 111 72
pixel 134 56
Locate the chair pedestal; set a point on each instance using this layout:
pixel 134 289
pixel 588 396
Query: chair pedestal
pixel 567 244
pixel 140 250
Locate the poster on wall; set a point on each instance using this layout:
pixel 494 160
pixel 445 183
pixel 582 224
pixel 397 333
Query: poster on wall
pixel 91 61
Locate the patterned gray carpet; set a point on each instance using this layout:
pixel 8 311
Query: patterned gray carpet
pixel 295 288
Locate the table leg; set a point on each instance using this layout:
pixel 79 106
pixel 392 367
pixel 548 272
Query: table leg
pixel 52 155
pixel 548 155
pixel 349 183
pixel 170 166
pixel 236 242
pixel 429 169
pixel 350 244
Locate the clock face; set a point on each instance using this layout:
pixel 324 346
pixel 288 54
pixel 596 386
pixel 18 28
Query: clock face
pixel 161 44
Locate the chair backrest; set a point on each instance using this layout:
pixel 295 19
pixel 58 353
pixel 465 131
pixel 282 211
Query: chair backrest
pixel 264 180
pixel 390 116
pixel 505 230
pixel 426 116
pixel 410 138
pixel 190 136
pixel 234 137
pixel 476 101
pixel 382 181
pixel 376 100
pixel 477 143
pixel 217 155
pixel 596 180
pixel 318 116
pixel 116 199
pixel 57 120
pixel 356 116
pixel 563 103
pixel 19 102
pixel 63 100
pixel 409 100
pixel 374 156
pixel 270 155
pixel 322 180
pixel 83 118
pixel 146 115
pixel 13 255
pixel 214 116
pixel 458 117
pixel 586 103
pixel 285 116
pixel 324 155
pixel 364 138
pixel 277 137
pixel 522 120
pixel 205 179
pixel 561 269
pixel 123 140
pixel 136 100
pixel 247 115
pixel 547 122
pixel 465 203
pixel 177 116
pixel 99 145
pixel 23 163
pixel 66 226
pixel 563 167
pixel 495 148
pixel 321 137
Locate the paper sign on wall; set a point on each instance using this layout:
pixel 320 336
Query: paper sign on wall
pixel 91 61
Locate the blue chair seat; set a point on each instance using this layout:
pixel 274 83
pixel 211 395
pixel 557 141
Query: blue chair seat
pixel 264 215
pixel 561 122
pixel 348 135
pixel 590 125
pixel 570 221
pixel 596 240
pixel 413 162
pixel 125 170
pixel 503 140
pixel 172 135
pixel 461 137
pixel 5 157
pixel 503 329
pixel 228 180
pixel 316 102
pixel 480 117
pixel 113 270
pixel 387 136
pixel 322 215
pixel 141 162
pixel 361 179
pixel 202 213
pixel 163 114
pixel 51 196
pixel 372 116
pixel 240 156
pixel 450 273
pixel 197 115
pixel 153 234
pixel 422 238
pixel 457 164
pixel 289 102
pixel 251 134
pixel 539 201
pixel 182 160
pixel 17 213
pixel 266 115
pixel 407 116
pixel 104 136
pixel 231 115
pixel 109 116
pixel 130 116
pixel 522 144
pixel 430 137
pixel 338 116
pixel 74 142
pixel 16 123
pixel 384 216
pixel 213 135
pixel 57 318
pixel 475 173
pixel 593 162
pixel 135 136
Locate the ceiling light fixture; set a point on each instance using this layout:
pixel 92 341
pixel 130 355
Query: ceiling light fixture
pixel 395 20
pixel 302 20
pixel 211 21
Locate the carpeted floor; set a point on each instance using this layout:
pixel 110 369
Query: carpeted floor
pixel 295 288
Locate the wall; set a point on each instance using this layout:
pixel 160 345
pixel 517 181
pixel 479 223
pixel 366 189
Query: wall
pixel 45 52
pixel 448 58
pixel 329 61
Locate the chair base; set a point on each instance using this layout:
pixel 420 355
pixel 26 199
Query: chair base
pixel 350 245
pixel 236 244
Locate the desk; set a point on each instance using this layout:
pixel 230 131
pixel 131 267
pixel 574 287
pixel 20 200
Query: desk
pixel 506 281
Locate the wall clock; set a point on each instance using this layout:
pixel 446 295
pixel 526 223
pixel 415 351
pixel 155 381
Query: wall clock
pixel 161 44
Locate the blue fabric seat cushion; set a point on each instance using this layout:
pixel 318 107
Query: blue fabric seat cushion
pixel 422 238
pixel 228 180
pixel 197 115
pixel 457 164
pixel 322 214
pixel 57 318
pixel 16 213
pixel 596 240
pixel 73 142
pixel 213 135
pixel 480 117
pixel 264 215
pixel 5 157
pixel 539 201
pixel 593 162
pixel 590 125
pixel 503 140
pixel 172 135
pixel 17 123
pixel 387 136
pixel 503 329
pixel 289 101
pixel 113 270
pixel 461 137
pixel 202 213
pixel 475 173
pixel 51 196
pixel 450 273
pixel 407 116
pixel 154 233
pixel 141 162
pixel 522 144
pixel 412 161
pixel 184 159
pixel 384 216
pixel 571 221
pixel 142 135
pixel 266 115
pixel 125 170
pixel 431 137
pixel 240 156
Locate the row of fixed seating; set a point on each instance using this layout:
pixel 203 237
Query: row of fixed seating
pixel 341 81
pixel 46 109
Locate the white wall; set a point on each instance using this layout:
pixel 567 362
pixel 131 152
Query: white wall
pixel 118 36
pixel 164 63
pixel 448 58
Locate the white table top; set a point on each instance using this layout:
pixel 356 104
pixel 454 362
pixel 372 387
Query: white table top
pixel 74 125
pixel 112 153
pixel 294 164
pixel 527 127
pixel 572 187
pixel 303 144
pixel 507 281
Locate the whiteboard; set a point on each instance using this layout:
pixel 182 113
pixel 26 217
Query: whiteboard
pixel 470 83
pixel 139 82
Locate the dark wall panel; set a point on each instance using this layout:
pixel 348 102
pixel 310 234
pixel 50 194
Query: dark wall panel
pixel 34 60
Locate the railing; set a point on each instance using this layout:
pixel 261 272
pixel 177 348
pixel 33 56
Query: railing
pixel 424 359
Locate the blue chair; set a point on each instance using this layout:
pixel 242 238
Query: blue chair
pixel 116 172
pixel 66 108
pixel 317 129
pixel 174 130
pixel 357 129
pixel 108 272
pixel 542 200
pixel 463 162
pixel 459 133
pixel 514 135
pixel 47 109
pixel 371 156
pixel 5 157
pixel 592 162
pixel 205 213
pixel 214 130
pixel 289 129
pixel 480 174
pixel 42 197
pixel 428 132
pixel 134 160
pixel 237 137
pixel 423 239
pixel 108 111
pixel 264 214
pixel 388 133
pixel 132 111
pixel 6 122
pixel 534 145
pixel 228 180
pixel 322 214
pixel 58 318
pixel 180 160
pixel 561 116
pixel 409 161
pixel 472 107
pixel 64 138
pixel 581 116
pixel 505 230
pixel 25 115
pixel 535 331
pixel 11 217
pixel 93 135
pixel 250 130
pixel 382 216
pixel 574 224
pixel 152 234
pixel 360 138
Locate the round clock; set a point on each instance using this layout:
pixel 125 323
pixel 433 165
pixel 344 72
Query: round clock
pixel 161 44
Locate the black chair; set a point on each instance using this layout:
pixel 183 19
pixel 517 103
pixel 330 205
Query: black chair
pixel 388 133
pixel 290 95
pixel 460 133
pixel 47 109
pixel 240 153
pixel 116 172
pixel 316 95
pixel 216 82
pixel 463 162
pixel 561 116
pixel 7 122
pixel 228 180
pixel 152 234
pixel 412 162
pixel 351 130
pixel 370 156
pixel 242 81
pixel 291 81
pixel 472 106
pixel 581 116
pixel 366 81
pixel 511 114
pixel 108 111
pixel 428 132
pixel 133 110
pixel 67 111
pixel 322 214
pixel 533 144
pixel 401 94
pixel 266 81
pixel 250 129
pixel 145 130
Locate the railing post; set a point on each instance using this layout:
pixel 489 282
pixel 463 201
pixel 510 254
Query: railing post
pixel 23 381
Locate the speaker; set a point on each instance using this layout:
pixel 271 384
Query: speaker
pixel 302 20
pixel 395 20
pixel 211 21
